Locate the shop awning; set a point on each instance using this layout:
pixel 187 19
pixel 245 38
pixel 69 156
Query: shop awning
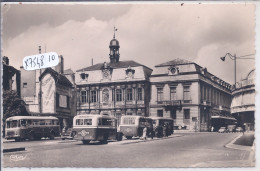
pixel 223 117
pixel 217 114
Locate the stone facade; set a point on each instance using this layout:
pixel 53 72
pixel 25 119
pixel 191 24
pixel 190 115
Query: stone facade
pixel 189 94
pixel 116 88
pixel 243 102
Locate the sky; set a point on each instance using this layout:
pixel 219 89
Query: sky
pixel 149 34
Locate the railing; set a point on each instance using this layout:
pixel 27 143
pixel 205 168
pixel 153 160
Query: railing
pixel 187 101
pixel 170 103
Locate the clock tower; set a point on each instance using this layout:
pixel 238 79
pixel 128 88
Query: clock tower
pixel 114 49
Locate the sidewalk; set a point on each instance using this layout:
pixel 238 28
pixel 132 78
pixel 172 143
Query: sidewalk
pixel 242 142
pixel 137 140
pixel 239 144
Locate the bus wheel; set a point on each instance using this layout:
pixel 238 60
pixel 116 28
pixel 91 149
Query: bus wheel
pixel 38 138
pixel 104 141
pixel 17 139
pixel 31 137
pixel 85 141
pixel 52 136
pixel 128 137
pixel 119 137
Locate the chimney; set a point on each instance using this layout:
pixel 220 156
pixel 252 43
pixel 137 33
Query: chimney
pixel 5 60
pixel 60 67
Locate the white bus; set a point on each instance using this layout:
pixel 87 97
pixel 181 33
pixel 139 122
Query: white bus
pixel 132 126
pixel 31 127
pixel 95 128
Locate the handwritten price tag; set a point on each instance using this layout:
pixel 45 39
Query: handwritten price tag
pixel 44 60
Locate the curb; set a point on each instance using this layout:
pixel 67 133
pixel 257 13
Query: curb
pixel 238 147
pixel 13 149
pixel 67 141
pixel 148 140
pixel 232 145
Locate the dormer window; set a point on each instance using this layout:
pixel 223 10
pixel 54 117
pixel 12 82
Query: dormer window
pixel 84 76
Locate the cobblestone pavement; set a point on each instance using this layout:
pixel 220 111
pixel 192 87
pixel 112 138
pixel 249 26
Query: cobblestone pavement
pixel 180 150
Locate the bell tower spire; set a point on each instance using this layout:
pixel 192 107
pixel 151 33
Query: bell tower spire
pixel 114 49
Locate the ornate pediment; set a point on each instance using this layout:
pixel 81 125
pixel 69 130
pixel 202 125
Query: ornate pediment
pixel 107 71
pixel 129 72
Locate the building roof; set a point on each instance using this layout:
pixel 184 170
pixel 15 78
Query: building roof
pixel 60 79
pixel 176 61
pixel 120 64
pixel 68 72
pixel 10 68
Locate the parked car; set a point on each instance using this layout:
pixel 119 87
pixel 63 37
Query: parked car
pixel 222 130
pixel 231 128
pixel 239 129
pixel 66 134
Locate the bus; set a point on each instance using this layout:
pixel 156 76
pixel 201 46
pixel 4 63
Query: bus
pixel 132 126
pixel 31 127
pixel 162 126
pixel 101 128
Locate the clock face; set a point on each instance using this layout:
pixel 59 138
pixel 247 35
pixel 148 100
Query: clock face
pixel 173 70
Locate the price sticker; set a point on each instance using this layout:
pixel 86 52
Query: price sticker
pixel 39 61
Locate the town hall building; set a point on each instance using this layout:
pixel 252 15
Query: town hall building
pixel 113 88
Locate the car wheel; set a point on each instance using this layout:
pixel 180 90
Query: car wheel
pixel 85 141
pixel 129 137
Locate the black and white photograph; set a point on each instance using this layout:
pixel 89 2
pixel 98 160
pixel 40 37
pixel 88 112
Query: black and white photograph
pixel 128 85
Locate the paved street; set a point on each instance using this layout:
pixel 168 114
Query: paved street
pixel 182 150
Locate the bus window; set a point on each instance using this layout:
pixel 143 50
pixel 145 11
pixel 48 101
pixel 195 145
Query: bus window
pixel 29 122
pixel 55 122
pixel 79 122
pixel 14 124
pixel 42 122
pixel 107 122
pixel 48 122
pixel 23 122
pixel 129 121
pixel 87 121
pixel 8 124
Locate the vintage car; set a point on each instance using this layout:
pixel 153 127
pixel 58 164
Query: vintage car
pixel 239 129
pixel 231 128
pixel 66 134
pixel 222 130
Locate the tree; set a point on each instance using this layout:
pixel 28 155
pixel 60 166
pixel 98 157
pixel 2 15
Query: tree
pixel 13 105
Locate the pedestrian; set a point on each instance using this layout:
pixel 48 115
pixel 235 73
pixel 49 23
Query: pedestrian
pixel 144 133
pixel 212 129
pixel 164 130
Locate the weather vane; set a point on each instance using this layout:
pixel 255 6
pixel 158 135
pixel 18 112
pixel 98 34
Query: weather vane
pixel 115 29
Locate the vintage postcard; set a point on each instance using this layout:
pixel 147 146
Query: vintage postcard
pixel 128 85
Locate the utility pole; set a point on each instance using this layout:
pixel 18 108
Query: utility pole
pixel 40 93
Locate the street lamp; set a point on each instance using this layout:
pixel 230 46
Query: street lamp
pixel 234 57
